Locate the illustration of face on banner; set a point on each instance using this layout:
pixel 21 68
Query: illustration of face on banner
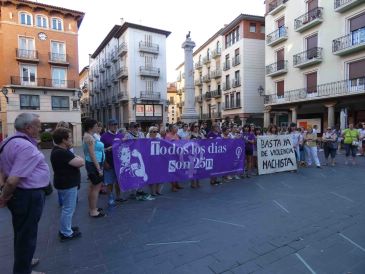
pixel 149 161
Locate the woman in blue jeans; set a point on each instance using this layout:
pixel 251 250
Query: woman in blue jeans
pixel 66 167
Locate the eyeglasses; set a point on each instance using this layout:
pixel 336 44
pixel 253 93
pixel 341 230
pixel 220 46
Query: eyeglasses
pixel 154 131
pixel 329 128
pixel 196 126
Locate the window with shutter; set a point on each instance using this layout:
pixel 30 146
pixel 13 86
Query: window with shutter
pixel 312 82
pixel 280 89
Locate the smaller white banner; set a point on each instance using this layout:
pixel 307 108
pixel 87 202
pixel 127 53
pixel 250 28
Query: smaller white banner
pixel 275 154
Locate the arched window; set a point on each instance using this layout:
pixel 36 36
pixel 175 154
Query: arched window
pixel 42 21
pixel 25 18
pixel 208 53
pixel 218 46
pixel 200 58
pixel 57 24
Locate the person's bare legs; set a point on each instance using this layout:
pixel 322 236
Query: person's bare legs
pixel 93 199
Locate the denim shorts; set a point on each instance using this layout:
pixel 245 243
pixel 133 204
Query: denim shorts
pixel 93 173
pixel 109 176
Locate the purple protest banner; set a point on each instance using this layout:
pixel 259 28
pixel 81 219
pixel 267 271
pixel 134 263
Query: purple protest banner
pixel 148 161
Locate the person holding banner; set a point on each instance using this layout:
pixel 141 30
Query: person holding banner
pixel 94 158
pixel 195 135
pixel 172 135
pixel 272 130
pixel 133 133
pixel 154 188
pixel 295 138
pixel 311 148
pixel 226 135
pixel 214 134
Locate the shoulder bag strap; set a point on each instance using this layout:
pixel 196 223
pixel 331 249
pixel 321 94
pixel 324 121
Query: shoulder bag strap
pixel 11 138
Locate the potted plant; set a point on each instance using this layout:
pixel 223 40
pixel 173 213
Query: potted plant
pixel 46 140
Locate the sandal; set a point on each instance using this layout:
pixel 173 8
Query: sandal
pixel 34 262
pixel 36 272
pixel 100 214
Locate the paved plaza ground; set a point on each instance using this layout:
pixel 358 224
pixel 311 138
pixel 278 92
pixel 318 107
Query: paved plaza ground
pixel 312 221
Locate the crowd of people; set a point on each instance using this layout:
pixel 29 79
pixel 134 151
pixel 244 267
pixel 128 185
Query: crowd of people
pixel 25 175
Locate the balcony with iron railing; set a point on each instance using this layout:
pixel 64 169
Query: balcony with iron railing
pixel 308 20
pixel 27 81
pixel 114 55
pixel 276 6
pixel 226 65
pixel 208 96
pixel 232 105
pixel 236 83
pixel 236 61
pixel 149 71
pixel 350 43
pixel 25 55
pixel 217 115
pixel 122 96
pixel 114 78
pixel 206 78
pixel 344 5
pixel 215 74
pixel 149 95
pixel 107 63
pixel 206 59
pixel 325 91
pixel 277 36
pixel 149 47
pixel 122 73
pixel 199 99
pixel 277 68
pixel 58 59
pixel 217 93
pixel 307 58
pixel 199 81
pixel 122 49
pixel 198 65
pixel 216 53
pixel 226 86
pixel 101 67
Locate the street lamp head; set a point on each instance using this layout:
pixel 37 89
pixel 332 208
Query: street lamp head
pixel 261 91
pixel 134 100
pixel 79 94
pixel 4 91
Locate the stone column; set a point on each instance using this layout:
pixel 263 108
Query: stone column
pixel 267 116
pixel 189 113
pixel 331 114
pixel 293 114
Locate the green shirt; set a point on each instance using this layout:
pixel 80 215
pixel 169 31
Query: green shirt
pixel 350 135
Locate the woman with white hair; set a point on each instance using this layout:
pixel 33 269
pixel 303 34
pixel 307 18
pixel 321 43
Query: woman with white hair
pixel 153 134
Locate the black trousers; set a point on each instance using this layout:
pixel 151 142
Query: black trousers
pixel 26 208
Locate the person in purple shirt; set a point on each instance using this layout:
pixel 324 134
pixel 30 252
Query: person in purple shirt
pixel 25 174
pixel 214 134
pixel 110 178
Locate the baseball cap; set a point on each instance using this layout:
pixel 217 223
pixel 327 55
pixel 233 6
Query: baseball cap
pixel 112 122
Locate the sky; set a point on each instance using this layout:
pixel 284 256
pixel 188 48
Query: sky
pixel 202 18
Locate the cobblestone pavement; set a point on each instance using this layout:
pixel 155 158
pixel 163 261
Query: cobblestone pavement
pixel 312 221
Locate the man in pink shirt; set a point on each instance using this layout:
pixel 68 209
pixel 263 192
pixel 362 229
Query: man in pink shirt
pixel 24 173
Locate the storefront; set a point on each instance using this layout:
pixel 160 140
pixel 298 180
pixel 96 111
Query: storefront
pixel 149 114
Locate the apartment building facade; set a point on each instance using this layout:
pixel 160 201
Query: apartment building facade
pixel 315 62
pixel 85 98
pixel 229 69
pixel 128 76
pixel 39 64
pixel 174 99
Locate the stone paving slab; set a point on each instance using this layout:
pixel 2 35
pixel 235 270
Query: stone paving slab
pixel 256 225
